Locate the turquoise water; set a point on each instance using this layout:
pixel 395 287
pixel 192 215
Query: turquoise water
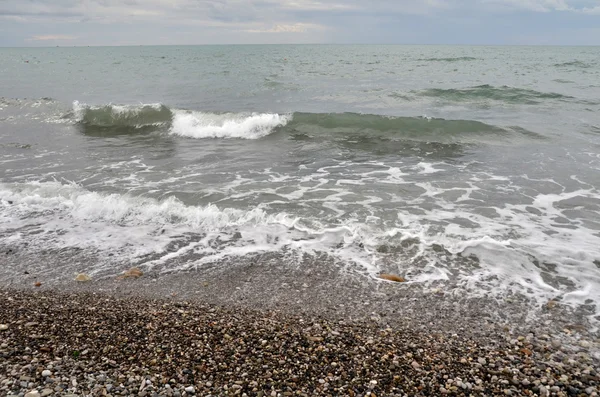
pixel 476 166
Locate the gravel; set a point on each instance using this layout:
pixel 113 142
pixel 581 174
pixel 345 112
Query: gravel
pixel 99 344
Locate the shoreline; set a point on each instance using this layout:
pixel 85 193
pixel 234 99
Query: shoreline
pixel 308 285
pixel 99 344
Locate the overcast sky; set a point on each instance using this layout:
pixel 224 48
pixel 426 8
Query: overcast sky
pixel 133 22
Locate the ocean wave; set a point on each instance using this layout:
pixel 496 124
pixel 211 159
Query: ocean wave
pixel 424 129
pixel 109 116
pixel 227 125
pixel 25 101
pixel 455 59
pixel 578 64
pixel 117 119
pixel 504 94
pixel 48 198
pixel 129 119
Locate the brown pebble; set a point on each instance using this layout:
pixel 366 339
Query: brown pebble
pixel 551 304
pixel 526 351
pixel 392 277
pixel 132 273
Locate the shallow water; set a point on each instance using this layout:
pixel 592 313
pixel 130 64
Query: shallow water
pixel 475 165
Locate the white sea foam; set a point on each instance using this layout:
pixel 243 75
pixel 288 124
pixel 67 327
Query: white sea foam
pixel 517 251
pixel 227 125
pixel 427 168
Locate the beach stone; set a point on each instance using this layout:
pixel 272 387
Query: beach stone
pixel 3 327
pixel 133 273
pixel 392 277
pixel 46 373
pixel 556 343
pixel 33 393
pixel 82 278
pixel 47 392
pixel 190 390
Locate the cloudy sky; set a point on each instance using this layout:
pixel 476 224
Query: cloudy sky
pixel 133 22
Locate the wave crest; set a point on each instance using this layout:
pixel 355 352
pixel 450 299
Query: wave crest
pixel 226 125
pixel 108 116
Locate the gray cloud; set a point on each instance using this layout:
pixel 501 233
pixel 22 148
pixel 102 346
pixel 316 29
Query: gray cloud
pixel 232 21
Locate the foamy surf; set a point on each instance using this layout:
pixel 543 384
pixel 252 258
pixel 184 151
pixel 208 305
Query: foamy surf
pixel 227 125
pixel 517 253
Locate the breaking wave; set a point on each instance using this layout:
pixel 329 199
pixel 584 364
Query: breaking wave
pixel 52 215
pixel 192 124
pixel 117 119
pixel 226 125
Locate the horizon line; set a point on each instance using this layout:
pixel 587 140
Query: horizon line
pixel 309 44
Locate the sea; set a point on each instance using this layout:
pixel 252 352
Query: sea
pixel 471 165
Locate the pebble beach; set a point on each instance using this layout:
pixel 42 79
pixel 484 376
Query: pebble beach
pixel 95 344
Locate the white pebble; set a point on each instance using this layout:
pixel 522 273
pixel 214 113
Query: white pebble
pixel 190 389
pixel 3 327
pixel 46 373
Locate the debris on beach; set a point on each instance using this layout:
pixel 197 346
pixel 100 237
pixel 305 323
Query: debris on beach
pixel 392 277
pixel 551 304
pixel 82 277
pixel 37 284
pixel 131 273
